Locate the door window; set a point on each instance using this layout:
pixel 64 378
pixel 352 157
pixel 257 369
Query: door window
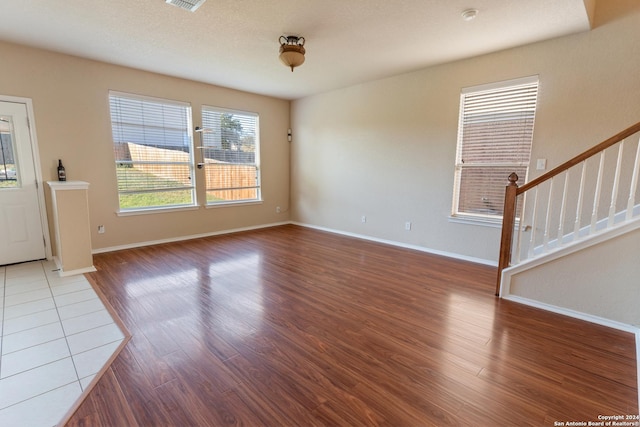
pixel 8 163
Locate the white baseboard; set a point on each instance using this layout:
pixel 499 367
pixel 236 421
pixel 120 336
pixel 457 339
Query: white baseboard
pixel 329 230
pixel 573 313
pixel 76 272
pixel 182 238
pixel 67 273
pixel 401 245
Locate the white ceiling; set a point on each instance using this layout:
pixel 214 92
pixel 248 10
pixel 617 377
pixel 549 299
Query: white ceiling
pixel 234 43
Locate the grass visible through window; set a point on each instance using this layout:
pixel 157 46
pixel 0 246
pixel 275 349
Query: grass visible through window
pixel 132 179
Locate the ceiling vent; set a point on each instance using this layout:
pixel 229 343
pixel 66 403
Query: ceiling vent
pixel 190 5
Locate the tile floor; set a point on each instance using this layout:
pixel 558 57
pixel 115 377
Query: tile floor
pixel 55 336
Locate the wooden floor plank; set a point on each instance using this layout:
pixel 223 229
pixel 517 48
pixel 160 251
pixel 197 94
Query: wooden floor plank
pixel 289 326
pixel 105 394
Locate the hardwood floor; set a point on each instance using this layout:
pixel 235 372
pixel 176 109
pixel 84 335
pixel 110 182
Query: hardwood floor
pixel 290 326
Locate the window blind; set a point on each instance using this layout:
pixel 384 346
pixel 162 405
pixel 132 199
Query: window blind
pixel 495 132
pixel 231 155
pixel 152 143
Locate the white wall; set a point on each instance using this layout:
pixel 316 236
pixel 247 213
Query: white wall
pixel 386 149
pixel 601 280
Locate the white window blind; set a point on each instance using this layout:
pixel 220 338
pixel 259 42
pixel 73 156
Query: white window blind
pixel 231 155
pixel 495 131
pixel 152 143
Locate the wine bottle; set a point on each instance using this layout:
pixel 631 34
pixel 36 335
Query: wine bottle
pixel 62 175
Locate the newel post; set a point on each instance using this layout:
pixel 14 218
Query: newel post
pixel 508 221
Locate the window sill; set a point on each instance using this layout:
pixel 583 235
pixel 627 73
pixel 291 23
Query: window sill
pixel 231 204
pixel 148 211
pixel 474 220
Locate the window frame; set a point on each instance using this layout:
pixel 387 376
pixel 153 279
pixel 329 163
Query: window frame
pixel 503 86
pixel 186 128
pixel 206 131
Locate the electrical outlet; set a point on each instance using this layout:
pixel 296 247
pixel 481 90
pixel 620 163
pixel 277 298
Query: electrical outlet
pixel 278 210
pixel 101 229
pixel 407 225
pixel 363 219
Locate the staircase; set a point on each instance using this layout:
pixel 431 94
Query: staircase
pixel 583 214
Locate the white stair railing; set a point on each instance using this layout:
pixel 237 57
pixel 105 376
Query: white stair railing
pixel 592 192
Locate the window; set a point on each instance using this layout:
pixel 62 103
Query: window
pixel 8 174
pixel 230 150
pixel 152 143
pixel 495 131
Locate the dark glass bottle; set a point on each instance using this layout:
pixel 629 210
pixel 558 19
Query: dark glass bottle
pixel 62 175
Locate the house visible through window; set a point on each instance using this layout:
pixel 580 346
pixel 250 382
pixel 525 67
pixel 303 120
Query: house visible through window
pixel 231 155
pixel 152 142
pixel 495 131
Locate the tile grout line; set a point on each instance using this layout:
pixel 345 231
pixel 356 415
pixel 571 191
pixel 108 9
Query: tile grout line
pixel 37 395
pixel 67 335
pixel 59 321
pixel 64 332
pixel 73 379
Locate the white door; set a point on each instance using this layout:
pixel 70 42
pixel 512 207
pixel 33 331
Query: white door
pixel 21 235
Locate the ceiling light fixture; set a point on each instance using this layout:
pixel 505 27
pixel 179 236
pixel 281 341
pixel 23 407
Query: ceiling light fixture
pixel 190 5
pixel 469 14
pixel 292 51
